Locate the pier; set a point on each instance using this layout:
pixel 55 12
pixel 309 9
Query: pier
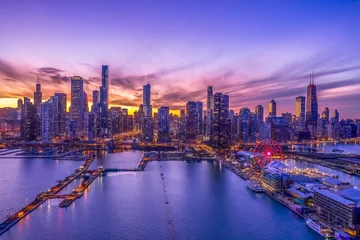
pixel 42 197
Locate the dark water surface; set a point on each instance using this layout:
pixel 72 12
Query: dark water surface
pixel 205 201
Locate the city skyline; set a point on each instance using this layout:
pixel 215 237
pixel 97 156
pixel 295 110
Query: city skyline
pixel 193 53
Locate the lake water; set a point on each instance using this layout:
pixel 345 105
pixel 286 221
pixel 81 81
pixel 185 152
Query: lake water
pixel 205 201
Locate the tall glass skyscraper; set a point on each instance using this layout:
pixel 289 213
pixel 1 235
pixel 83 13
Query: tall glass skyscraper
pixel 300 107
pixel 146 100
pixel 38 97
pixel 312 103
pixel 209 104
pixel 272 108
pixel 104 98
pixel 77 102
pixel 163 124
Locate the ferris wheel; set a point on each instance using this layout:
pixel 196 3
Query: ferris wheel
pixel 265 151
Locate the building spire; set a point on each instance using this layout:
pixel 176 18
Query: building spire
pixel 38 80
pixel 313 77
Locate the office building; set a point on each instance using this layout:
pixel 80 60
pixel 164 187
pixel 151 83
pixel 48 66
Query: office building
pixel 272 108
pixel 163 124
pixel 77 109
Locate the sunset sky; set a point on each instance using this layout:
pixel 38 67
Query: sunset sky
pixel 254 51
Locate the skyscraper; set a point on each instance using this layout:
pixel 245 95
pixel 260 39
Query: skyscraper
pixel 199 117
pixel 272 108
pixel 326 114
pixel 163 124
pixel 300 107
pixel 38 97
pixel 336 116
pixel 104 97
pixel 209 103
pixel 48 120
pixel 19 103
pixel 95 100
pixel 259 111
pixel 61 113
pixel 220 123
pixel 244 125
pixel 147 100
pixel 77 103
pixel 191 120
pixel 311 107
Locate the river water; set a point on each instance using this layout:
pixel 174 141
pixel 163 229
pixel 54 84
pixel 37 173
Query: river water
pixel 205 201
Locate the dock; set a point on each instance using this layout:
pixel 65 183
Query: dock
pixel 42 197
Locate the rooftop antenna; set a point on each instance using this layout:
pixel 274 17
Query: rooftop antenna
pixel 313 77
pixel 38 81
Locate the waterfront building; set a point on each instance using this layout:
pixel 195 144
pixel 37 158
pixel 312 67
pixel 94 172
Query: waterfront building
pixel 221 123
pixel 29 123
pixel 61 113
pixel 191 120
pixel 147 100
pixel 148 130
pixel 300 107
pixel 38 97
pixel 259 110
pixel 77 109
pixel 312 107
pixel 326 114
pixel 321 128
pixel 116 120
pixel 339 208
pixel 48 125
pixel 163 124
pixel 272 108
pixel 244 125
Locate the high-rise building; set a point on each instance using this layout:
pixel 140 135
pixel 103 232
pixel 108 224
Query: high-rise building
pixel 95 100
pixel 48 123
pixel 38 97
pixel 336 116
pixel 209 104
pixel 77 109
pixel 61 113
pixel 311 107
pixel 191 120
pixel 19 104
pixel 199 118
pixel 326 114
pixel 147 100
pixel 30 130
pixel 272 108
pixel 300 107
pixel 163 124
pixel 104 99
pixel 148 129
pixel 259 111
pixel 220 136
pixel 244 125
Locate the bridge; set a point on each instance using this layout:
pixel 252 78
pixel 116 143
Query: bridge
pixel 123 170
